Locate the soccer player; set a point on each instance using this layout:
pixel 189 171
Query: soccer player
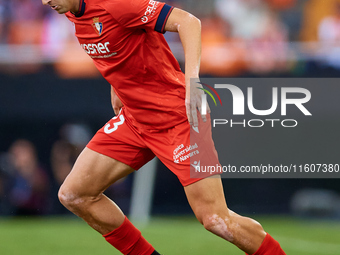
pixel 156 110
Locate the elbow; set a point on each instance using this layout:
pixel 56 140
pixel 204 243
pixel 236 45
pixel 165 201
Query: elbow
pixel 198 22
pixel 190 23
pixel 195 21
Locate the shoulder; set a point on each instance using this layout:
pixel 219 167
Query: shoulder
pixel 118 5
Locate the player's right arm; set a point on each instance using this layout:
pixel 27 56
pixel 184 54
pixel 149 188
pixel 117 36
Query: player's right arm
pixel 189 29
pixel 115 101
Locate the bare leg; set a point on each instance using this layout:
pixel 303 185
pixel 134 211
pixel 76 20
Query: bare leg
pixel 206 198
pixel 82 190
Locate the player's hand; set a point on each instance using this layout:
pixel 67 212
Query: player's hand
pixel 115 101
pixel 193 102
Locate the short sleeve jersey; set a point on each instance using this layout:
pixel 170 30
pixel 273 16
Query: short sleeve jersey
pixel 124 38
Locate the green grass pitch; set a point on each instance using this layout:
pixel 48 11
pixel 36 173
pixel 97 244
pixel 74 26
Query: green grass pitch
pixel 169 235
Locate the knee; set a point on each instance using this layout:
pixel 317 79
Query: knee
pixel 222 226
pixel 70 198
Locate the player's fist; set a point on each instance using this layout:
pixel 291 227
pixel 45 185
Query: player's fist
pixel 193 102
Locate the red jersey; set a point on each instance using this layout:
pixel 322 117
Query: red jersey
pixel 124 38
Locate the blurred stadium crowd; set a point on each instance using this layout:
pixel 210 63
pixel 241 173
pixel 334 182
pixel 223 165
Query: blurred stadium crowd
pixel 239 37
pixel 25 184
pixel 29 187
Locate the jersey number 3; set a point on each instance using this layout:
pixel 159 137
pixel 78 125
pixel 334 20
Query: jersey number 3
pixel 109 130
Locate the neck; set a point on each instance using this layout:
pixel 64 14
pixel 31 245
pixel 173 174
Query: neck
pixel 76 5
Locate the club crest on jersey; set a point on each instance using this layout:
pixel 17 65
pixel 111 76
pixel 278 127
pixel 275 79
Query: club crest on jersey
pixel 98 26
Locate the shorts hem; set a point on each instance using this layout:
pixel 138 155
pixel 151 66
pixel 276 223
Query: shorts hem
pixel 115 158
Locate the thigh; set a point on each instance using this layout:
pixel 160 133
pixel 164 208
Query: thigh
pixel 93 173
pixel 115 151
pixel 206 197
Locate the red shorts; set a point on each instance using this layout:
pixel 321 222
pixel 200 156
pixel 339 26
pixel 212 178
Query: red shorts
pixel 182 149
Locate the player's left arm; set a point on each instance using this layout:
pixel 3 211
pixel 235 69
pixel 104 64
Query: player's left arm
pixel 115 101
pixel 189 29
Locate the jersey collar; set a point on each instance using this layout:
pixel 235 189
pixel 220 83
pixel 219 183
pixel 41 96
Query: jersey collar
pixel 81 11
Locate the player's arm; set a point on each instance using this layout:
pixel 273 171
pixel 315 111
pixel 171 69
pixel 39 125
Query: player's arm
pixel 115 101
pixel 189 29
